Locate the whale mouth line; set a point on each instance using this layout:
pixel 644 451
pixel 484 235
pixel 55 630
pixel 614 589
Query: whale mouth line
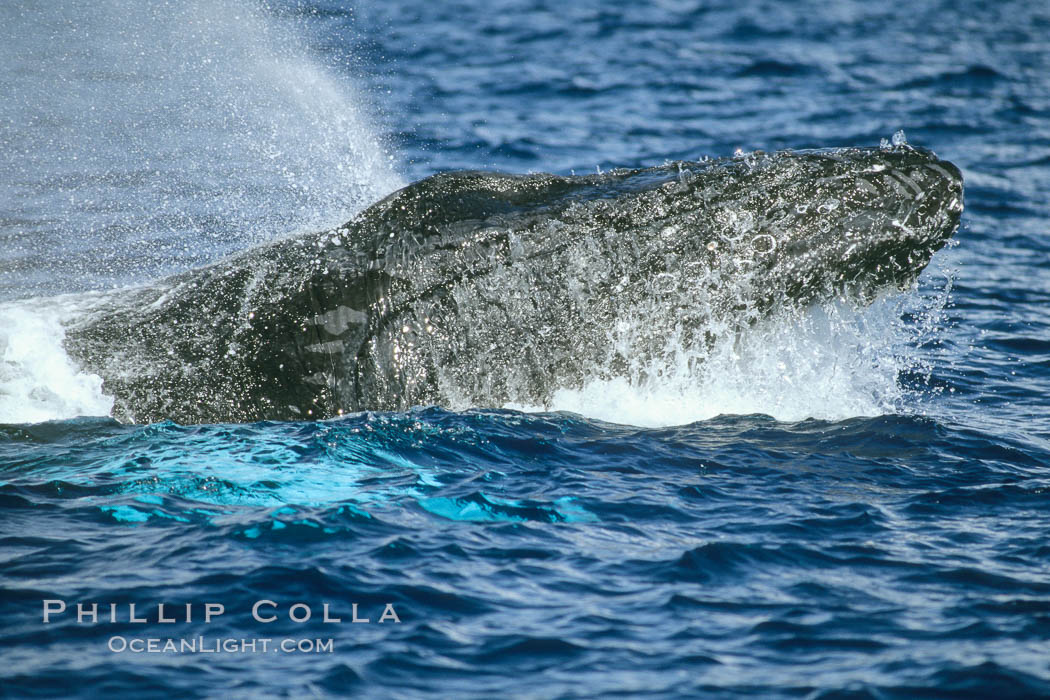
pixel 485 289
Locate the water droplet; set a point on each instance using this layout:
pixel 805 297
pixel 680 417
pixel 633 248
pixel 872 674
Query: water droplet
pixel 763 243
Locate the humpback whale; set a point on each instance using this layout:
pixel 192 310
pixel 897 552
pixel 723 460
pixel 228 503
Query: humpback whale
pixel 487 288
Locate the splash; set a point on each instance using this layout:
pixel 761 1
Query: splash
pixel 38 381
pixel 831 361
pixel 141 138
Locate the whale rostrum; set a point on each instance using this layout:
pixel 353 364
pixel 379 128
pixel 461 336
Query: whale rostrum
pixel 484 288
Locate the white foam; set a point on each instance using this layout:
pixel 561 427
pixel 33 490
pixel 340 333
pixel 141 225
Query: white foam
pixel 38 381
pixel 831 362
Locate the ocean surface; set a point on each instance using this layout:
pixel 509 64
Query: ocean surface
pixel 851 505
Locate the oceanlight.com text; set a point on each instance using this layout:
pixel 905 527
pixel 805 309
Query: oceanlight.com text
pixel 218 645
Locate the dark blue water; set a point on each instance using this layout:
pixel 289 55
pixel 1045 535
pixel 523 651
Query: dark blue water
pixel 880 534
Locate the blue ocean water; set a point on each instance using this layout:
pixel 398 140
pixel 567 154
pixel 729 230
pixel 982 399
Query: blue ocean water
pixel 856 506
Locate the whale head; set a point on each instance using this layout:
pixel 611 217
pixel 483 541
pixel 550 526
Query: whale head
pixel 501 287
pixel 848 221
pixel 479 289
